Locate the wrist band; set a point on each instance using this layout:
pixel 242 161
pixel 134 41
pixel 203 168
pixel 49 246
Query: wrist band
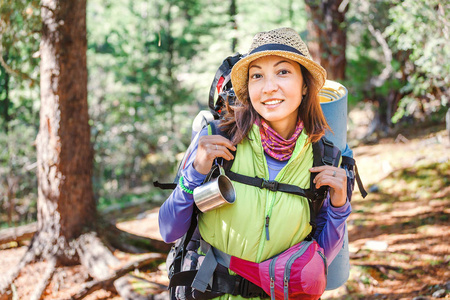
pixel 185 189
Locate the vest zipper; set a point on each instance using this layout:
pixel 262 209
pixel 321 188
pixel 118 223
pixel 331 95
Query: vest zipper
pixel 267 227
pixel 268 214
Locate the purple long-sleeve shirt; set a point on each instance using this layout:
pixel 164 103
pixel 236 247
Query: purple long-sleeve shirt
pixel 176 212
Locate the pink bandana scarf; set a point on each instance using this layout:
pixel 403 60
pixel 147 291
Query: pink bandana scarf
pixel 275 145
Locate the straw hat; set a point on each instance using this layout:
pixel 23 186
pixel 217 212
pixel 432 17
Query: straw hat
pixel 285 42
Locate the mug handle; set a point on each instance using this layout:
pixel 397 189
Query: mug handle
pixel 210 174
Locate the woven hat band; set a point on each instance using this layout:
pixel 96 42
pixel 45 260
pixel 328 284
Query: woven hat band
pixel 273 47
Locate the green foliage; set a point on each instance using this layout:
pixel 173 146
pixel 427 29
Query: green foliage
pixel 421 30
pixel 19 105
pixel 365 57
pixel 140 98
pixel 415 35
pixel 19 32
pixel 150 71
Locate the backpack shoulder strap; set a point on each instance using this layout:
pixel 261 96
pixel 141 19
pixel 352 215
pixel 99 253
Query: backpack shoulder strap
pixel 324 153
pixel 214 128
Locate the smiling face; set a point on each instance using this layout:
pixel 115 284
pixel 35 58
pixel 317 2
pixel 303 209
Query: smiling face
pixel 276 87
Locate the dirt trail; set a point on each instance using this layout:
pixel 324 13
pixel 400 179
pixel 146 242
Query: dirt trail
pixel 399 234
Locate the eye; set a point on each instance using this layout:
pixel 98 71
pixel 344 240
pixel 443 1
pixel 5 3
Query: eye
pixel 284 72
pixel 255 76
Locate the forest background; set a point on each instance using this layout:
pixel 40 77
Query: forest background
pixel 151 63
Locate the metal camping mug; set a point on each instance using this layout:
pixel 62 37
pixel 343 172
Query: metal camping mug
pixel 214 193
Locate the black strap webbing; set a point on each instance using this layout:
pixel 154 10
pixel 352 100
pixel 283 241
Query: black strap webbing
pixel 271 185
pixel 360 184
pixel 346 160
pixel 222 283
pixel 164 186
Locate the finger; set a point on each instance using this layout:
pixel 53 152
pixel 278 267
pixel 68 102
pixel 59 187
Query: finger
pixel 335 183
pixel 220 140
pixel 222 151
pixel 328 170
pixel 335 176
pixel 322 168
pixel 329 181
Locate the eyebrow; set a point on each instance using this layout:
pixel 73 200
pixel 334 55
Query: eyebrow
pixel 280 62
pixel 276 64
pixel 254 66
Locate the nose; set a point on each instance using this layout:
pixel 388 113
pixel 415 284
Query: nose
pixel 270 85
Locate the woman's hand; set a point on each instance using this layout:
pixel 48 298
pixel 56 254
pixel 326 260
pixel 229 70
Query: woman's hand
pixel 336 179
pixel 210 147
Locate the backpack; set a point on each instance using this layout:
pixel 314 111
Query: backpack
pixel 184 259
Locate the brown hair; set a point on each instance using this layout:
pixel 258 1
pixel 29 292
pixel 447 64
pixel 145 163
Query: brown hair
pixel 241 116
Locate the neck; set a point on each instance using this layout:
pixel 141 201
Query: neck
pixel 285 128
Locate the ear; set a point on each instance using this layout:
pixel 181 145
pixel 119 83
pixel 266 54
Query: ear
pixel 304 90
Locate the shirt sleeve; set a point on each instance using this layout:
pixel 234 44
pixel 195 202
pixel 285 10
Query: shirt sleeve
pixel 330 230
pixel 176 212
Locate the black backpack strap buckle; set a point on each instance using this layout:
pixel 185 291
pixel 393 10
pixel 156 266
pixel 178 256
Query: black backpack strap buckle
pixel 328 153
pixel 271 185
pixel 247 289
pixel 327 160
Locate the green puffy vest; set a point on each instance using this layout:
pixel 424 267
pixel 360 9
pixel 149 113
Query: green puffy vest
pixel 240 229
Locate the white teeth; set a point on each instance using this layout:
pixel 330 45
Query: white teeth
pixel 272 102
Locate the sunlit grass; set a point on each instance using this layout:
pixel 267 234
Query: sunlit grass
pixel 421 181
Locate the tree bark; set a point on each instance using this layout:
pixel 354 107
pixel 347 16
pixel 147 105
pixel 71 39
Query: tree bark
pixel 66 206
pixel 5 102
pixel 68 224
pixel 328 35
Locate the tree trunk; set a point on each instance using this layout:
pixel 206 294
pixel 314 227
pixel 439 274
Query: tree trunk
pixel 5 101
pixel 67 218
pixel 233 13
pixel 328 35
pixel 66 206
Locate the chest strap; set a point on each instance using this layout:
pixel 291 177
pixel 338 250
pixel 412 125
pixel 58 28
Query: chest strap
pixel 271 185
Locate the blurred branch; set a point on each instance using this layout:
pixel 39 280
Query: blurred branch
pixel 14 72
pixel 107 283
pixel 17 233
pixel 380 79
pixel 343 6
pixel 441 15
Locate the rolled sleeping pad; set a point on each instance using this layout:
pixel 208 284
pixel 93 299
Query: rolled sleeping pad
pixel 333 100
pixel 339 269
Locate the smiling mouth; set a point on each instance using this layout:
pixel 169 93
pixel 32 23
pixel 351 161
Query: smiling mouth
pixel 272 102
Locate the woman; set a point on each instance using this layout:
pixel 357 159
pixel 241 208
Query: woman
pixel 273 125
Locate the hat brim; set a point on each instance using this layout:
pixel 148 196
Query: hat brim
pixel 239 73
